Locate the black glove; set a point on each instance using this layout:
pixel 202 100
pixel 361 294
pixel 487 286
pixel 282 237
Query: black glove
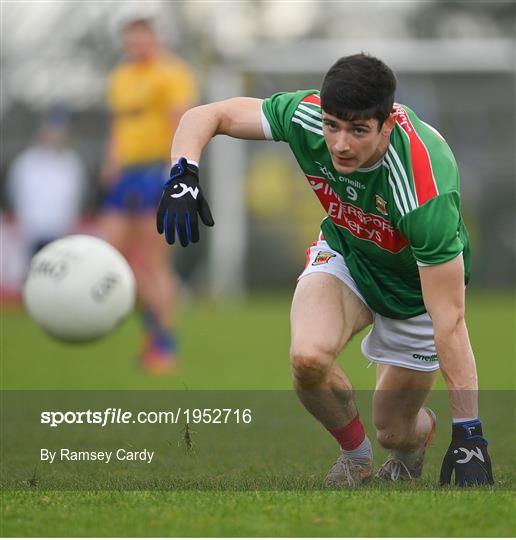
pixel 467 455
pixel 180 202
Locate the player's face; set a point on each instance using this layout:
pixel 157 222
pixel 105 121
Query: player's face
pixel 355 144
pixel 140 44
pixel 53 135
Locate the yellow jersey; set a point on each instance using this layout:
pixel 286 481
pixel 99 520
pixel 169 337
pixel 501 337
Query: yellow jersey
pixel 141 99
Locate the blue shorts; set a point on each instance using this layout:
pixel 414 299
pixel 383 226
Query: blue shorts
pixel 138 189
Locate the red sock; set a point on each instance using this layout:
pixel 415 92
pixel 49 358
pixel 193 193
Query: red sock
pixel 350 436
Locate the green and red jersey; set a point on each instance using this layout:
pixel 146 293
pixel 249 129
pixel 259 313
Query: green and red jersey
pixel 386 219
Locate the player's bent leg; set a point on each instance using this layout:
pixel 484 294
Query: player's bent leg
pixel 325 315
pixel 404 426
pixel 158 293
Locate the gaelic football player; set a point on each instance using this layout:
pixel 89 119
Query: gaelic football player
pixel 148 93
pixel 393 254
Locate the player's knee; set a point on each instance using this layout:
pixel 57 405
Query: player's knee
pixel 310 365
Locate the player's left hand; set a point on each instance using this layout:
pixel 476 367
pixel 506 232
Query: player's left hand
pixel 467 455
pixel 182 199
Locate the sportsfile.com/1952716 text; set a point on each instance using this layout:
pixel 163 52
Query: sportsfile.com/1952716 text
pixel 113 415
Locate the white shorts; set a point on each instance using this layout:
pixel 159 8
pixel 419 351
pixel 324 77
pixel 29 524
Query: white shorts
pixel 407 343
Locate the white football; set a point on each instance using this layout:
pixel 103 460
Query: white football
pixel 79 288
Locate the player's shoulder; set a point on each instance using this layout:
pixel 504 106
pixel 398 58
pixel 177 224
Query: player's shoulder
pixel 414 137
pixel 307 113
pixel 120 73
pixel 121 68
pixel 29 154
pixel 300 109
pixel 296 102
pixel 309 98
pixel 173 64
pixel 292 99
pixel 27 160
pixel 415 131
pixel 420 161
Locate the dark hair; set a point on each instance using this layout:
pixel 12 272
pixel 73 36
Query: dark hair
pixel 57 115
pixel 359 87
pixel 142 23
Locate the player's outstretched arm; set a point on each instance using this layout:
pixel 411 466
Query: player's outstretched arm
pixel 237 117
pixel 182 200
pixel 444 297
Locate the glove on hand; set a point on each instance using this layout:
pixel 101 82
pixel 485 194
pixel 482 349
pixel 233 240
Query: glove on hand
pixel 467 455
pixel 181 200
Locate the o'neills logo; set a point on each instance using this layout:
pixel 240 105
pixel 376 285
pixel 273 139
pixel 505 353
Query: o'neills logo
pixel 359 223
pixel 426 358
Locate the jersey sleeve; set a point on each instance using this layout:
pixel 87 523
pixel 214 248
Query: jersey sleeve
pixel 278 111
pixel 434 229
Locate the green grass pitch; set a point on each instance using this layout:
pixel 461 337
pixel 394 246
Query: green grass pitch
pixel 244 347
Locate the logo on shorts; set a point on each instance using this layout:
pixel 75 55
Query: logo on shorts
pixel 429 358
pixel 323 257
pixel 381 205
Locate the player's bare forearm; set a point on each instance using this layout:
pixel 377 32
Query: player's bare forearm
pixel 457 364
pixel 237 117
pixel 444 296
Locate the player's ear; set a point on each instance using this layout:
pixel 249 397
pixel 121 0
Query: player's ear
pixel 388 125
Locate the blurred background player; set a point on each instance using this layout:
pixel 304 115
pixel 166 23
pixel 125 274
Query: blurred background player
pixel 148 92
pixel 47 184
